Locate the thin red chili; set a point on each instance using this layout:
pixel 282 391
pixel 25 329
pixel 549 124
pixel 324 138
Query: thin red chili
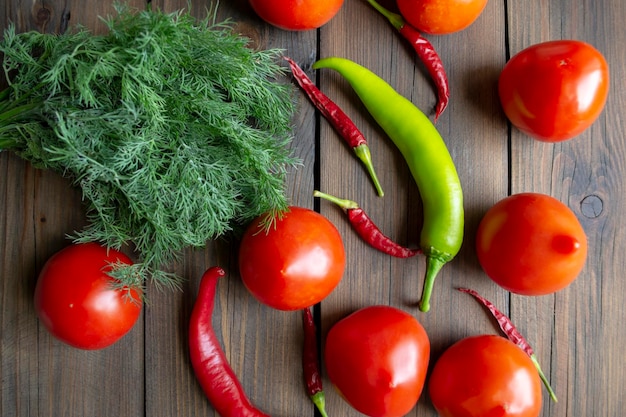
pixel 429 56
pixel 426 53
pixel 310 363
pixel 367 229
pixel 338 119
pixel 216 377
pixel 511 332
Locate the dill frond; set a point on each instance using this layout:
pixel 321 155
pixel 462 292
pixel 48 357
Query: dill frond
pixel 175 130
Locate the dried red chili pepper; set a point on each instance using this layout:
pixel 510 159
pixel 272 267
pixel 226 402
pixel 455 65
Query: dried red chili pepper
pixel 426 53
pixel 216 377
pixel 338 119
pixel 310 363
pixel 511 332
pixel 429 56
pixel 367 229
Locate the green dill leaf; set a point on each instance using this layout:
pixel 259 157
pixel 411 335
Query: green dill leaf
pixel 176 131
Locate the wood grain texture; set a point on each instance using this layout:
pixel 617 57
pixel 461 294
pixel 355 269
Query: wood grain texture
pixel 573 330
pixel 576 333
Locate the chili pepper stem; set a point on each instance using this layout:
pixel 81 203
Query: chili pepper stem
pixel 343 203
pixel 364 154
pixel 511 332
pixel 433 266
pixel 394 18
pixel 543 378
pixel 338 119
pixel 319 399
pixel 425 51
pixel 367 229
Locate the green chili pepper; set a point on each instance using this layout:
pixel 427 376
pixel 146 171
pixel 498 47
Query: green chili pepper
pixel 428 159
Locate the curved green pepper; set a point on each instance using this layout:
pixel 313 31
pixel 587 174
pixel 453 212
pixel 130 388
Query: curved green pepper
pixel 428 159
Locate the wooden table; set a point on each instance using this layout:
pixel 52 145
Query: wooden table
pixel 578 333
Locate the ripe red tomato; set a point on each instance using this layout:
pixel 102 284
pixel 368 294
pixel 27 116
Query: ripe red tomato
pixel 296 14
pixel 296 263
pixel 531 244
pixel 75 301
pixel 441 17
pixel 554 90
pixel 377 358
pixel 483 376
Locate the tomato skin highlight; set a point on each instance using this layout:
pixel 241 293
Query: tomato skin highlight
pixel 441 17
pixel 75 302
pixel 555 90
pixel 483 376
pixel 531 244
pixel 377 358
pixel 296 15
pixel 296 263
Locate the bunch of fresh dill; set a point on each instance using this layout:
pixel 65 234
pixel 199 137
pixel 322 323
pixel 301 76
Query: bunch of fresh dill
pixel 174 129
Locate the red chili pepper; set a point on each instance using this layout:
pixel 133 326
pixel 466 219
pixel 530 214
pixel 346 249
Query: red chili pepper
pixel 429 56
pixel 511 332
pixel 217 378
pixel 310 364
pixel 367 229
pixel 338 119
pixel 425 51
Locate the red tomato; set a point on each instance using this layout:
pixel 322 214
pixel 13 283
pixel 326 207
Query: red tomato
pixel 483 376
pixel 554 90
pixel 531 244
pixel 75 302
pixel 296 14
pixel 441 17
pixel 296 263
pixel 377 358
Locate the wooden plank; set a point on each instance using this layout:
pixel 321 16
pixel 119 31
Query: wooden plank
pixel 18 270
pixel 575 332
pixel 476 136
pixel 577 345
pixel 262 345
pixel 37 370
pixel 40 375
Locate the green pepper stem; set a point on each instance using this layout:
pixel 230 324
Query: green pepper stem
pixel 433 266
pixel 344 204
pixel 364 154
pixel 543 378
pixel 320 402
pixel 395 19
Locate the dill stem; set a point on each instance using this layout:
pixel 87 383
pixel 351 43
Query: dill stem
pixel 119 115
pixel 6 143
pixel 17 113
